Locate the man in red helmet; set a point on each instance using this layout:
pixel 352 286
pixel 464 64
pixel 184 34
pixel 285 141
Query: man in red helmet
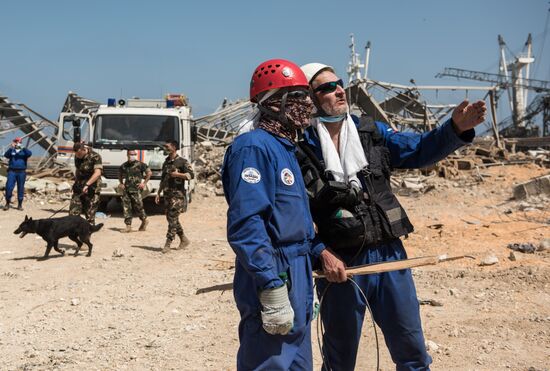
pixel 269 225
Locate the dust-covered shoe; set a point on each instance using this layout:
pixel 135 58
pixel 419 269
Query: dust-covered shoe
pixel 128 229
pixel 144 224
pixel 166 247
pixel 184 242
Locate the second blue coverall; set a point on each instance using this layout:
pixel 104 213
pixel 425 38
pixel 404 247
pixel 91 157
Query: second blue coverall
pixel 391 295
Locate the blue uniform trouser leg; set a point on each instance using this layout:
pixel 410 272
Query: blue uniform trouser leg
pixel 20 178
pixel 10 185
pixel 392 298
pixel 259 350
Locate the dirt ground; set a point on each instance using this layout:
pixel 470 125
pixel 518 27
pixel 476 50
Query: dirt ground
pixel 139 311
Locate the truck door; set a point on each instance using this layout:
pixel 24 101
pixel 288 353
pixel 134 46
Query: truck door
pixel 71 125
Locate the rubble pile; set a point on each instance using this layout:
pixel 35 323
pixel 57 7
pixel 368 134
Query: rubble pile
pixel 465 168
pixel 55 170
pixel 50 185
pixel 207 164
pixel 531 196
pixel 535 187
pixel 44 191
pixel 484 153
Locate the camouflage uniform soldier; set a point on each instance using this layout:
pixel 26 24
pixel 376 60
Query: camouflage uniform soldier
pixel 86 186
pixel 175 171
pixel 133 176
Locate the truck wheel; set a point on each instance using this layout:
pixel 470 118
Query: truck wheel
pixel 103 203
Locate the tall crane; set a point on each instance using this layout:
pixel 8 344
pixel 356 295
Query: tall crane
pixel 513 78
pixel 354 65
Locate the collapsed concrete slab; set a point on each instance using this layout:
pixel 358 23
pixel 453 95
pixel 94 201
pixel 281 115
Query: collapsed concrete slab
pixel 534 187
pixel 63 187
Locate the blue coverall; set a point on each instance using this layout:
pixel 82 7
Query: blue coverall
pixel 269 226
pixel 16 172
pixel 391 295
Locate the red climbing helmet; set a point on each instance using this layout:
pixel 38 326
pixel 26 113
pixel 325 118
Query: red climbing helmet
pixel 275 74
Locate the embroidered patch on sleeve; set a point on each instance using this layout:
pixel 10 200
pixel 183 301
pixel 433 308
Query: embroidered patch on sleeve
pixel 251 175
pixel 287 177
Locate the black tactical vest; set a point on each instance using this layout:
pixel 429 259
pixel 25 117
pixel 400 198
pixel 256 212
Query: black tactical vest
pixel 351 218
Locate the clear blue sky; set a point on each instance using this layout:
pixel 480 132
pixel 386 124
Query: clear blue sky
pixel 208 49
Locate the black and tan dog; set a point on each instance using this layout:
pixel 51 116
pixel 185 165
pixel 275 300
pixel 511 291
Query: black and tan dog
pixel 51 230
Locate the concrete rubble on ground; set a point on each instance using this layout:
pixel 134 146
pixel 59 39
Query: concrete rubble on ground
pixel 526 248
pixel 534 187
pixel 466 167
pixel 489 260
pixel 463 168
pixel 208 163
pixel 118 253
pixel 58 170
pixel 51 190
pixel 484 153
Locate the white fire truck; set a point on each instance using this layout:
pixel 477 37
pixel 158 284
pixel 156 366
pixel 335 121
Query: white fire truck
pixel 141 124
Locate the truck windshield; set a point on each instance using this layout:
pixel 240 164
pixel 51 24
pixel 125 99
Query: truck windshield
pixel 134 129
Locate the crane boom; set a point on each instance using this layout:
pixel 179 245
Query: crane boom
pixel 502 80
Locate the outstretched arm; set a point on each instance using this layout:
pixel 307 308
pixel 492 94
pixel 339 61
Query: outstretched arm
pixel 413 150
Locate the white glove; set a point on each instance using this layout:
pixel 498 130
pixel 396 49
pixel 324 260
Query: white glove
pixel 277 313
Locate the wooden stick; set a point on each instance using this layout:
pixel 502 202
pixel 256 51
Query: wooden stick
pixel 365 269
pixel 222 287
pixel 386 266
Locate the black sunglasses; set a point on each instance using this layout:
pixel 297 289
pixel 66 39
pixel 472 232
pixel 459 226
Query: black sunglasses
pixel 298 94
pixel 329 87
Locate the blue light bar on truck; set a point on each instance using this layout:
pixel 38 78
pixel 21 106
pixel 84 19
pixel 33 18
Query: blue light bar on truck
pixel 111 102
pixel 169 103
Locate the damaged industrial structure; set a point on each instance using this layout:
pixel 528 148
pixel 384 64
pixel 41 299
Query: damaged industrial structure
pixel 522 137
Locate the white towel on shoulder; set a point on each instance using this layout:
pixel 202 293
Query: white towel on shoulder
pixel 344 167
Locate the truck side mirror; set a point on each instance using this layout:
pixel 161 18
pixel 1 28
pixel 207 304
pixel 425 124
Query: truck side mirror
pixel 76 131
pixel 75 122
pixel 193 134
